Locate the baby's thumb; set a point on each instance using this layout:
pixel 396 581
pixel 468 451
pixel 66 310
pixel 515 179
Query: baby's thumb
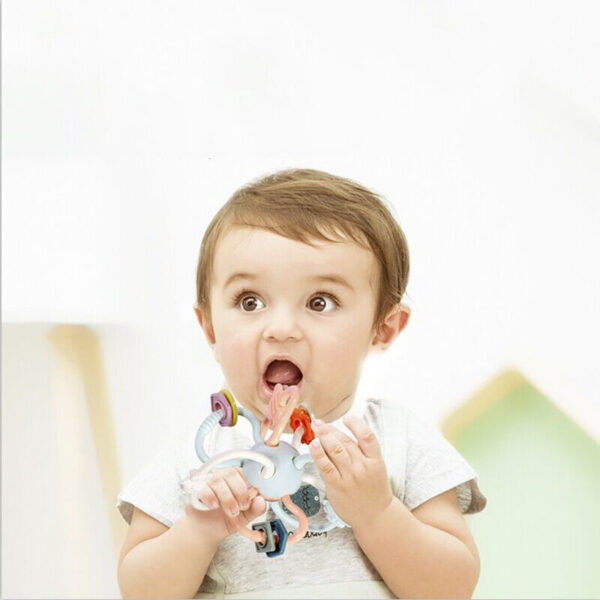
pixel 257 508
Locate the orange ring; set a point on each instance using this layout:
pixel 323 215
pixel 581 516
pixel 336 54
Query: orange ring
pixel 301 417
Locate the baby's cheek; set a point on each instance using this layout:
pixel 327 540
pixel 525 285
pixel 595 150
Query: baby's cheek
pixel 238 355
pixel 339 360
pixel 238 359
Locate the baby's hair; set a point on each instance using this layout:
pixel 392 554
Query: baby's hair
pixel 306 205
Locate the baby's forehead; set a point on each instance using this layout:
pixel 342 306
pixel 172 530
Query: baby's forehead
pixel 264 253
pixel 235 239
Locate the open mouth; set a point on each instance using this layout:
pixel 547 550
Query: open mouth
pixel 284 372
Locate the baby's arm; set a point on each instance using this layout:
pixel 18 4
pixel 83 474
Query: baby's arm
pixel 426 553
pixel 430 556
pixel 161 562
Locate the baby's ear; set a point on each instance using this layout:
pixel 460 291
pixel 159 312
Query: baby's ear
pixel 206 325
pixel 394 323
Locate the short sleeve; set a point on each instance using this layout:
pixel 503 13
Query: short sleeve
pixel 434 466
pixel 156 489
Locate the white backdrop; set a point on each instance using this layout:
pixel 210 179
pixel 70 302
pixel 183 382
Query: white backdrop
pixel 126 125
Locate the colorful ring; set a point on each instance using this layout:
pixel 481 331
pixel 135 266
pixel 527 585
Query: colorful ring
pixel 269 545
pixel 301 417
pixel 280 534
pixel 224 400
pixel 233 405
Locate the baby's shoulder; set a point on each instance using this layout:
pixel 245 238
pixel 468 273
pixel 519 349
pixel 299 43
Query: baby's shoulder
pixel 388 414
pixel 385 416
pixel 422 462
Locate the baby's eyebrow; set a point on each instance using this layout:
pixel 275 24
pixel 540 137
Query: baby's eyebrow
pixel 237 276
pixel 333 278
pixel 330 277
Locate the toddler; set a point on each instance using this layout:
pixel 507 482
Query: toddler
pixel 301 275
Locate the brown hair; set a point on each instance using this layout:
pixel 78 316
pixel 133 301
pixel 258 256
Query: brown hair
pixel 305 205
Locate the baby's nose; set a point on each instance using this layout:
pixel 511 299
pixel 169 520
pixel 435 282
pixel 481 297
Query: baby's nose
pixel 282 326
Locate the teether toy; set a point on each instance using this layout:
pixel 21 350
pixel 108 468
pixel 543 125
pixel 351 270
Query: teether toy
pixel 274 467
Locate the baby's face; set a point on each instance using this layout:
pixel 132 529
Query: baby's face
pixel 284 305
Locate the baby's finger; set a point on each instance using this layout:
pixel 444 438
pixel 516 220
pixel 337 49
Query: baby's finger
pixel 337 452
pixel 258 507
pixel 208 497
pixel 240 488
pixel 327 469
pixel 225 496
pixel 349 444
pixel 364 434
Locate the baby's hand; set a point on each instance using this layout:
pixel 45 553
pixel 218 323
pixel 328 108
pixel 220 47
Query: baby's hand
pixel 221 496
pixel 354 473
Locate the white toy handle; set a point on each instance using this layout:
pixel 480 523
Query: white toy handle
pixel 267 471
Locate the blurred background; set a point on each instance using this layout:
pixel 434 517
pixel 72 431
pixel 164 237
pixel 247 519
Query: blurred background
pixel 126 125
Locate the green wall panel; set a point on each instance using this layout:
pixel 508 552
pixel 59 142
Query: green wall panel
pixel 539 536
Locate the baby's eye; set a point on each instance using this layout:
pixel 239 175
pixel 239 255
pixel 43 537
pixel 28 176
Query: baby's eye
pixel 249 303
pixel 318 303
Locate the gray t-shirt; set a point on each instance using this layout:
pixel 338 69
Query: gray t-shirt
pixel 420 462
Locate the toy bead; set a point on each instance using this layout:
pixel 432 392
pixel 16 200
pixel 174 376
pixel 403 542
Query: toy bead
pixel 233 405
pixel 302 417
pixel 224 400
pixel 269 544
pixel 281 535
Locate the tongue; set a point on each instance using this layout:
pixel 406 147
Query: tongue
pixel 284 372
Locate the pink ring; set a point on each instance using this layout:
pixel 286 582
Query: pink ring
pixel 218 401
